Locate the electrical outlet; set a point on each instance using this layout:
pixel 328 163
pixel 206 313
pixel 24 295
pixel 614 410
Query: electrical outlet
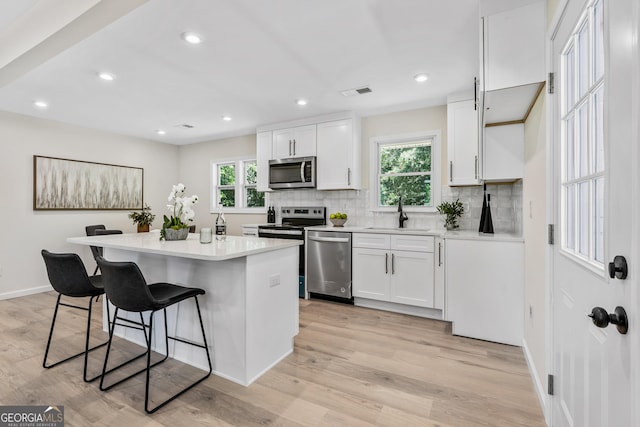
pixel 274 280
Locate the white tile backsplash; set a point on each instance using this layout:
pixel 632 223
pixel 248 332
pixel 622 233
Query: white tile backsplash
pixel 506 207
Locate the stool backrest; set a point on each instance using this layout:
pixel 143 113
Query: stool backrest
pixel 67 274
pixel 105 232
pixel 91 231
pixel 125 285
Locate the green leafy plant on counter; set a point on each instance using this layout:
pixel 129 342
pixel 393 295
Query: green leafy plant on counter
pixel 143 219
pixel 452 211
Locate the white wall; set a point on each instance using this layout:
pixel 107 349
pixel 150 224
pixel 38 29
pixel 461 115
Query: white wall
pixel 194 172
pixel 26 232
pixel 535 233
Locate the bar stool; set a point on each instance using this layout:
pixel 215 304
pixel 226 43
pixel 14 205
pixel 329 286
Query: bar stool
pixel 68 276
pixel 127 289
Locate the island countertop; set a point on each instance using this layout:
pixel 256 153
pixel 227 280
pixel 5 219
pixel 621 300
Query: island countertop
pixel 231 247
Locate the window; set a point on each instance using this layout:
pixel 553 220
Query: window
pixel 235 186
pixel 406 166
pixel 583 167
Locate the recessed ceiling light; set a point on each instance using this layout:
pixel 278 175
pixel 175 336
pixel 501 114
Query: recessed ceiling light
pixel 226 118
pixel 192 38
pixel 301 102
pixel 161 132
pixel 40 104
pixel 106 76
pixel 420 78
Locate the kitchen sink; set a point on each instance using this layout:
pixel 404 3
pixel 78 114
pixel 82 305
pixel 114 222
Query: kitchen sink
pixel 396 229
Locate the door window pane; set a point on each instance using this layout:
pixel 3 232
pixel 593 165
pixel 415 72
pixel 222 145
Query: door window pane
pixel 570 228
pixel 598 131
pixel 569 80
pixel 570 154
pixel 583 60
pixel 599 220
pixel 598 36
pixel 583 218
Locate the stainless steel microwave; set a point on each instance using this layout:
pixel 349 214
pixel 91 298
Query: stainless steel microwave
pixel 297 172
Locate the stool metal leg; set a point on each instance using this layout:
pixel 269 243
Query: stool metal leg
pixel 87 336
pixel 167 337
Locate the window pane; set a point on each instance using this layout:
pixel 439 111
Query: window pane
pixel 228 197
pixel 583 218
pixel 255 198
pixel 570 217
pixel 582 141
pixel 251 172
pixel 583 60
pixel 403 158
pixel 227 174
pixel 569 80
pixel 598 119
pixel 415 190
pixel 570 172
pixel 598 37
pixel 598 219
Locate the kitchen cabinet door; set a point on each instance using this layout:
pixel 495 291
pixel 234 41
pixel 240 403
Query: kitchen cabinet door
pixel 438 277
pixel 411 278
pixel 370 273
pixel 294 142
pixel 485 289
pixel 263 155
pixel 338 149
pixel 503 153
pixel 463 143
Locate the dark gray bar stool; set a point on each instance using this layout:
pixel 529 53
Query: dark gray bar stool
pixel 127 289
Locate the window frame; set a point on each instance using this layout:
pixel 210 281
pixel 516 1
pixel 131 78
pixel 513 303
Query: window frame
pixel 240 186
pixel 407 138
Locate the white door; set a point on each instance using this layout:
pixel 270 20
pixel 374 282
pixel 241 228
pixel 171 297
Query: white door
pixel 595 207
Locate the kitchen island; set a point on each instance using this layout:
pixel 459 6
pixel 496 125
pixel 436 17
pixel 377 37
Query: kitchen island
pixel 250 309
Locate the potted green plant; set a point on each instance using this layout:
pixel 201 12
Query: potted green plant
pixel 452 211
pixel 143 219
pixel 175 227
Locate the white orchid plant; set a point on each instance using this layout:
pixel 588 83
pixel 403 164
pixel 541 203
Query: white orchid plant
pixel 181 208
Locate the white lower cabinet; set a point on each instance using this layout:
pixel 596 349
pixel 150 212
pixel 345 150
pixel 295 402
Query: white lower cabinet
pixel 485 289
pixel 394 268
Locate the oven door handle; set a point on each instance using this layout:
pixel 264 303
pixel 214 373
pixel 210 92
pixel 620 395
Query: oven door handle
pixel 281 232
pixel 302 171
pixel 330 239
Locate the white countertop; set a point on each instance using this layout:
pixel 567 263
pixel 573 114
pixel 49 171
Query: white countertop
pixel 458 235
pixel 232 247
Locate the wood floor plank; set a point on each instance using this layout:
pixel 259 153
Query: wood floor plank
pixel 351 367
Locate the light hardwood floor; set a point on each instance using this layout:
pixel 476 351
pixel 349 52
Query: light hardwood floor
pixel 351 367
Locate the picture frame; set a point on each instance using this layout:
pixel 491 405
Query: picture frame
pixel 67 184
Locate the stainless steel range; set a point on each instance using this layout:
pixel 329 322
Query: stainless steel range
pixel 294 220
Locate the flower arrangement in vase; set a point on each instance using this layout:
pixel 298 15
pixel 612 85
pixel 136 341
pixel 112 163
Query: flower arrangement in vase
pixel 175 227
pixel 452 211
pixel 143 219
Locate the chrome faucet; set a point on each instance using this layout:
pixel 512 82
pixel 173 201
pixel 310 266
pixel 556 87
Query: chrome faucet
pixel 403 215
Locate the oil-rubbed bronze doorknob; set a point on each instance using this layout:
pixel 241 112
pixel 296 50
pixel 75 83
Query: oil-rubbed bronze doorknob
pixel 601 318
pixel 618 268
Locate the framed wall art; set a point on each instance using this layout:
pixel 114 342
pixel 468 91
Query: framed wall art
pixel 65 184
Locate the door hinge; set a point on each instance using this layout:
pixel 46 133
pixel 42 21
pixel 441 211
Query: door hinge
pixel 550 384
pixel 550 234
pixel 551 83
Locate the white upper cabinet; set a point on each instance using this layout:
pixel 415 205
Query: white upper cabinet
pixel 263 155
pixel 338 148
pixel 512 58
pixel 514 47
pixel 463 143
pixel 294 142
pixel 503 153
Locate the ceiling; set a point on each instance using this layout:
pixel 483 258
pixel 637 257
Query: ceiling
pixel 256 59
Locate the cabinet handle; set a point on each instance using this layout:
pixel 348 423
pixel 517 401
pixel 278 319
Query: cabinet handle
pixel 451 171
pixel 294 147
pixel 386 263
pixel 475 94
pixel 476 167
pixel 439 254
pixel 349 176
pixel 289 147
pixel 393 263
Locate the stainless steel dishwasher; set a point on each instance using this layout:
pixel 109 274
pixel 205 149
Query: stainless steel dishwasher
pixel 329 264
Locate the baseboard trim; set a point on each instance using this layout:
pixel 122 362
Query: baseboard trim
pixel 537 383
pixel 25 292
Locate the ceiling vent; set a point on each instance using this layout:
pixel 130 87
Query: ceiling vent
pixel 354 92
pixel 185 126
